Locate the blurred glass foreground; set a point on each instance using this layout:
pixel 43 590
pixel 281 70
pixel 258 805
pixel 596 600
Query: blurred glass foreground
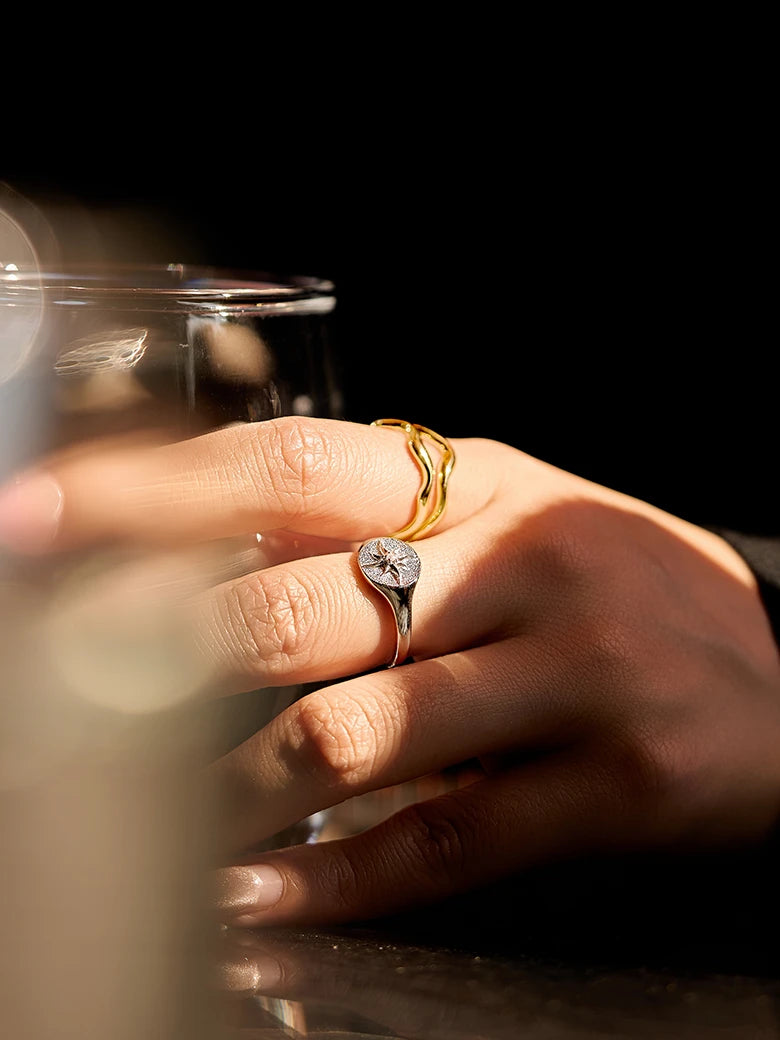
pixel 108 832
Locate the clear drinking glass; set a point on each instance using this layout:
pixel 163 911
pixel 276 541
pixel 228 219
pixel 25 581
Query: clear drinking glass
pixel 108 827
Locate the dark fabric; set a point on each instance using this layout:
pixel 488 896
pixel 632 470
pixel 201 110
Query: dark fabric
pixel 762 555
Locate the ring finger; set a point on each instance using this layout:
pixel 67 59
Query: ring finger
pixel 318 618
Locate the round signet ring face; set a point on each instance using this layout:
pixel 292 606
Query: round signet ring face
pixel 393 568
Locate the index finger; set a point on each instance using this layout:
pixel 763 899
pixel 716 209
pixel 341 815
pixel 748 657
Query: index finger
pixel 325 477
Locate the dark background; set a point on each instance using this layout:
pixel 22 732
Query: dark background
pixel 575 257
pixel 577 270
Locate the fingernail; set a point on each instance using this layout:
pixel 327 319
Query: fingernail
pixel 248 974
pixel 245 890
pixel 30 511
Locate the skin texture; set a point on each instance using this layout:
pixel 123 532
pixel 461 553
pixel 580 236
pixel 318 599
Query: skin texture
pixel 607 669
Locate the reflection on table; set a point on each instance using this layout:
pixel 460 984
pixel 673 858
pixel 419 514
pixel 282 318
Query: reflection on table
pixel 645 947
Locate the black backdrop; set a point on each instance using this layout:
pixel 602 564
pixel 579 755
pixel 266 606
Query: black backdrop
pixel 586 279
pixel 596 299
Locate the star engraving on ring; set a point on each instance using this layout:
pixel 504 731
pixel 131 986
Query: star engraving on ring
pixel 388 561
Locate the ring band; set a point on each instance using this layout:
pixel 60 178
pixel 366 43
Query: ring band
pixel 393 567
pixel 432 496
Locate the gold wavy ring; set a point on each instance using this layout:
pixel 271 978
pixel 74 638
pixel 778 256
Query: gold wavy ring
pixel 432 496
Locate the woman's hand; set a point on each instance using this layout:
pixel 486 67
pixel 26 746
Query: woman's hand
pixel 609 666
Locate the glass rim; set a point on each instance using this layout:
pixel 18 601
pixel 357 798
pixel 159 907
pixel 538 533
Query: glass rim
pixel 165 286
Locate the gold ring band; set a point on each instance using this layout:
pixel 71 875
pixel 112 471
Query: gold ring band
pixel 432 496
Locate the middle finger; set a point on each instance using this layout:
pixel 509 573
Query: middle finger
pixel 318 618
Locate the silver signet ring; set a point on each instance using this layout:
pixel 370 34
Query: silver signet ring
pixel 393 567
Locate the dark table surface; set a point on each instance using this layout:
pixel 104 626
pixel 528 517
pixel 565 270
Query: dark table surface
pixel 630 949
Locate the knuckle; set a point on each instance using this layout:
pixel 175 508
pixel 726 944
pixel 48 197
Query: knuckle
pixel 272 618
pixel 665 765
pixel 645 775
pixel 295 458
pixel 584 550
pixel 338 878
pixel 641 765
pixel 590 650
pixel 341 742
pixel 608 659
pixel 563 560
pixel 436 843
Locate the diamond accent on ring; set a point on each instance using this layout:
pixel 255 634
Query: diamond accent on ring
pixel 388 561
